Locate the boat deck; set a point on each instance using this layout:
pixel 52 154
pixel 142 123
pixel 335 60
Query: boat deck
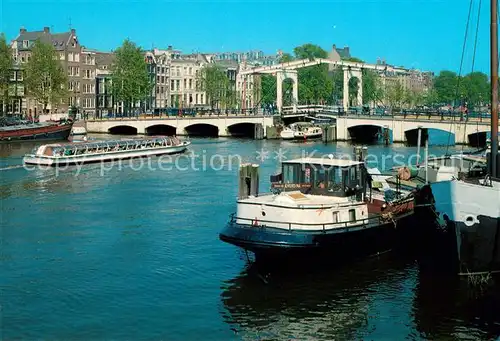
pixel 297 199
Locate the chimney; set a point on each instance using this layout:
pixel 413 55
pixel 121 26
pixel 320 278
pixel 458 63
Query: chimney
pixel 22 30
pixel 46 29
pixel 347 50
pixel 334 47
pixel 73 31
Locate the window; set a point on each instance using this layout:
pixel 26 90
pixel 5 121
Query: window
pixel 62 56
pixel 352 215
pixel 190 70
pixel 184 98
pixel 162 79
pixel 178 84
pixel 161 90
pixel 172 85
pixel 185 82
pixel 335 217
pixel 70 56
pixel 77 57
pixel 190 84
pixel 157 79
pixel 196 99
pixel 157 90
pixel 201 99
pixel 26 44
pixel 158 69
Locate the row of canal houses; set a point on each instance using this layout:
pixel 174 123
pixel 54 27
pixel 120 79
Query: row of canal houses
pixel 174 75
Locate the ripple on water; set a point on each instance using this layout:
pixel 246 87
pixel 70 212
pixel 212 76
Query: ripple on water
pixel 117 253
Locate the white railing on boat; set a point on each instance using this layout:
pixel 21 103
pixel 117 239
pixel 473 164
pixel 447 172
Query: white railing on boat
pixel 111 146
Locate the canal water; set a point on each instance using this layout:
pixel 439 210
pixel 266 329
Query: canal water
pixel 131 252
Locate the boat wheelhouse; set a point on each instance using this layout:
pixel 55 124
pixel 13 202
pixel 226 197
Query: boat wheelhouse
pixel 316 206
pixel 102 151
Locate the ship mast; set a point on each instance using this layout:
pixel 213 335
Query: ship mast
pixel 494 87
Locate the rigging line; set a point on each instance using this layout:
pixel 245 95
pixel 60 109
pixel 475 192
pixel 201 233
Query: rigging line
pixel 473 64
pixel 460 71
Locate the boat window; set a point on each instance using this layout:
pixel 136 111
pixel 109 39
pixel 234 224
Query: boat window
pixel 345 176
pixel 352 172
pixel 352 215
pixel 335 217
pixel 291 173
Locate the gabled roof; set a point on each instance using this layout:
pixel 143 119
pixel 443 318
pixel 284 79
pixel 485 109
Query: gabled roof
pixel 104 58
pixel 58 40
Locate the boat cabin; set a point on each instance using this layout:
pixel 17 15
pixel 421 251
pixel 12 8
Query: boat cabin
pixel 322 176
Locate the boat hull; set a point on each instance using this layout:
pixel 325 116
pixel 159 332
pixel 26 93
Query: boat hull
pixel 108 157
pixel 44 133
pixel 353 242
pixel 465 233
pixel 287 135
pixel 308 136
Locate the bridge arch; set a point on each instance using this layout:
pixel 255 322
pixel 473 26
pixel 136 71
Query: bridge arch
pixel 161 129
pixel 202 130
pixel 122 130
pixel 435 136
pixel 243 129
pixel 370 134
pixel 479 138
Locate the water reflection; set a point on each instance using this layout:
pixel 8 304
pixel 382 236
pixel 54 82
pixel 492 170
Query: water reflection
pixel 320 305
pixel 445 307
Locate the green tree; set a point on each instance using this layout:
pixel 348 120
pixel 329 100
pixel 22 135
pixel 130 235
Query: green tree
pixel 315 84
pixel 431 98
pixel 268 89
pixel 214 81
pixel 130 77
pixel 475 88
pixel 396 95
pixel 373 91
pixel 286 57
pixel 6 63
pixel 45 78
pixel 446 87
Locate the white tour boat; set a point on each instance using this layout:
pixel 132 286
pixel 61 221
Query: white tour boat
pixel 103 151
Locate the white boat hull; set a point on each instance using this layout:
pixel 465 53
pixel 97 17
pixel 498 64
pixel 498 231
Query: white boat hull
pixel 103 157
pixel 287 134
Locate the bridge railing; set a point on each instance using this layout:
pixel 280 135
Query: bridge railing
pixel 379 113
pixel 176 114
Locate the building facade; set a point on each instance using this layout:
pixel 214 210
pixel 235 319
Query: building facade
pixel 104 103
pixel 69 53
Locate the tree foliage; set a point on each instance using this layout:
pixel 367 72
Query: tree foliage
pixel 451 88
pixel 214 81
pixel 45 78
pixel 130 77
pixel 315 84
pixel 396 95
pixel 6 63
pixel 373 90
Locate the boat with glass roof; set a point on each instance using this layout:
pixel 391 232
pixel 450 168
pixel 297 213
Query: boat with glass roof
pixel 105 150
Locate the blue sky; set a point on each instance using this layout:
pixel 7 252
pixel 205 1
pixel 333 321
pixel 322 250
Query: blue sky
pixel 423 34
